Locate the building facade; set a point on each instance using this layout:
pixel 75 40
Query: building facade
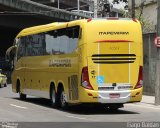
pixel 149 13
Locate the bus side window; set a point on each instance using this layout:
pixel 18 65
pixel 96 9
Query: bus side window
pixel 52 33
pixel 76 32
pixel 52 42
pixel 21 48
pixel 73 35
pixel 63 41
pixel 35 45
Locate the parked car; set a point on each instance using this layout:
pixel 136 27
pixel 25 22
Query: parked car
pixel 3 79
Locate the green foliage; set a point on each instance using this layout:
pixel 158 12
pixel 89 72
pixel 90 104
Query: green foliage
pixel 147 25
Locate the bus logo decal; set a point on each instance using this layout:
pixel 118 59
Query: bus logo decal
pixel 60 63
pixel 113 33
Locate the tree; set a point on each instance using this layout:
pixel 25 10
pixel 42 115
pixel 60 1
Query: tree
pixel 121 1
pixel 147 25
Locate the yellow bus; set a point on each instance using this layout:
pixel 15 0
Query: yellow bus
pixel 90 61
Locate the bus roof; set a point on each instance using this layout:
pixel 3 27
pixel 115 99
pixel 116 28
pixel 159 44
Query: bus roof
pixel 43 28
pixel 36 29
pixel 51 26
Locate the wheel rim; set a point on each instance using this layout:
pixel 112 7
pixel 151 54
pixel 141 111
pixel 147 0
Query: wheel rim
pixel 63 101
pixel 53 96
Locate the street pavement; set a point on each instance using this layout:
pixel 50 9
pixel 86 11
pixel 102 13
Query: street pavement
pixel 38 110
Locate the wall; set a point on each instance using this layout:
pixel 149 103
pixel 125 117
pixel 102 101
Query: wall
pixel 149 51
pixel 149 11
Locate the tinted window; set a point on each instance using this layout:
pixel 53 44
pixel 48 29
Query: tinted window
pixel 35 45
pixel 21 48
pixel 61 41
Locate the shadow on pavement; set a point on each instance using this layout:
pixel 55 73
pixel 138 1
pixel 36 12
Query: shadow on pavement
pixel 79 109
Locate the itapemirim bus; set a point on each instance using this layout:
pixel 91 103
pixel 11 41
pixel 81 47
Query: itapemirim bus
pixel 92 61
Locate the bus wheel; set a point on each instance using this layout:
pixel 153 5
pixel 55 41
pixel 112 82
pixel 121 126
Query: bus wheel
pixel 5 85
pixel 115 107
pixel 63 102
pixel 54 99
pixel 0 86
pixel 21 95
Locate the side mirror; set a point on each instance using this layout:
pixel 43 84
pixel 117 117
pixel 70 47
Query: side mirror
pixel 10 53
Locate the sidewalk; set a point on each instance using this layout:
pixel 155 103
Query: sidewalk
pixel 148 100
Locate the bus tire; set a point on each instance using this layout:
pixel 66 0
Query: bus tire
pixel 63 103
pixel 5 85
pixel 53 97
pixel 115 107
pixel 0 86
pixel 21 95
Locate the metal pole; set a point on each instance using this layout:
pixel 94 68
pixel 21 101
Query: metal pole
pixel 133 8
pixel 157 85
pixel 78 5
pixel 95 8
pixel 58 4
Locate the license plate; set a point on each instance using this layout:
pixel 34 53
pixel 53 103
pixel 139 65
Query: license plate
pixel 114 95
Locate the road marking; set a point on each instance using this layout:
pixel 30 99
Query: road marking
pixel 76 117
pixel 81 118
pixel 18 106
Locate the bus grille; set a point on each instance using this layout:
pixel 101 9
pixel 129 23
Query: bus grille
pixel 113 58
pixel 73 87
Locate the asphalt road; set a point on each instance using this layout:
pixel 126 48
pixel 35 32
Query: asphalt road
pixel 38 110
